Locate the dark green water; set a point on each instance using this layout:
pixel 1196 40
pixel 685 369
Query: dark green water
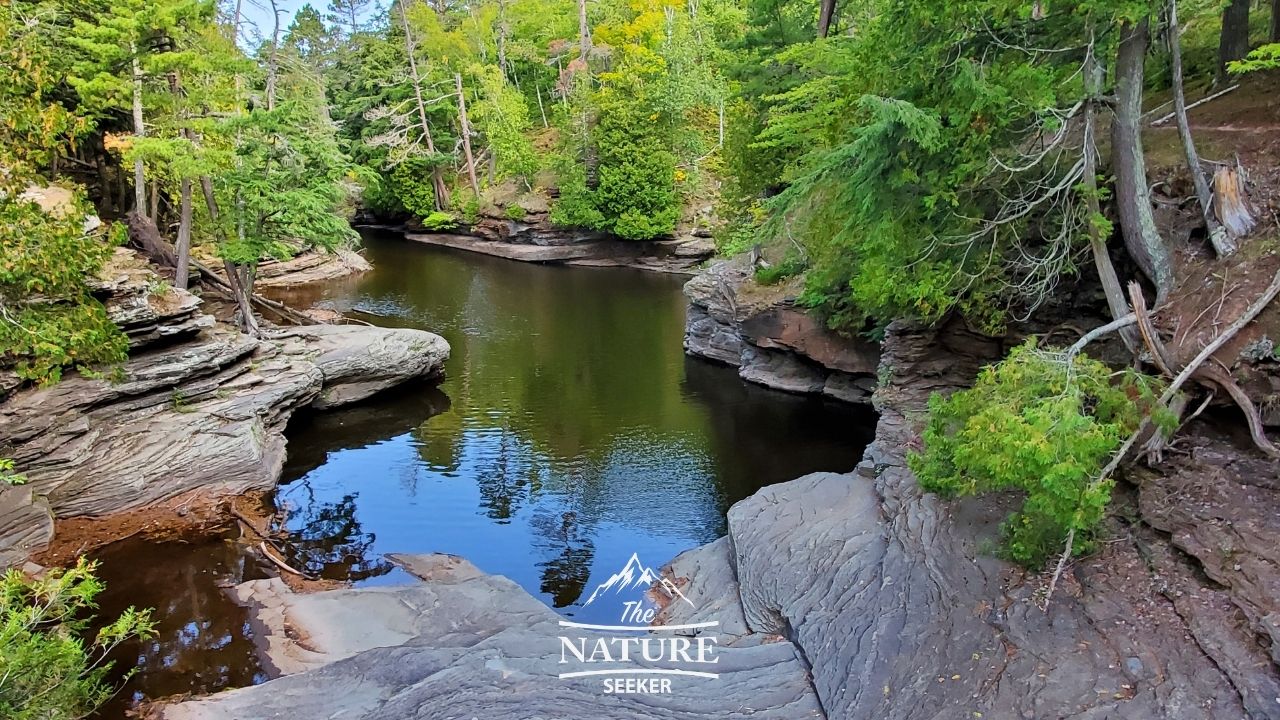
pixel 570 432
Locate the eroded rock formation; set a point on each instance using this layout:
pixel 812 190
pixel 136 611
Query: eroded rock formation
pixel 463 645
pixel 529 236
pixel 195 406
pixel 848 596
pixel 900 612
pixel 772 342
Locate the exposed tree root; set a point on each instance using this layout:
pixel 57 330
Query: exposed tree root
pixel 1192 368
pixel 1257 433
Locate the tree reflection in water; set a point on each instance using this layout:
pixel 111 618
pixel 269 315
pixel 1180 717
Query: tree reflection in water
pixel 202 641
pixel 565 575
pixel 326 539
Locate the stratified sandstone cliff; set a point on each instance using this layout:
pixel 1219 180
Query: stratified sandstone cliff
pixel 195 406
pixel 770 340
pixel 891 596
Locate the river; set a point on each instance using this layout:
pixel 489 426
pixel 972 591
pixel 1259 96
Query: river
pixel 570 432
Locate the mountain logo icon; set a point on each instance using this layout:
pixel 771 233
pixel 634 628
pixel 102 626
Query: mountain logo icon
pixel 635 575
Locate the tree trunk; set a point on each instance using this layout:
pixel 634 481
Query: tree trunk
pixel 1233 44
pixel 825 14
pixel 355 24
pixel 240 280
pixel 584 32
pixel 437 179
pixel 105 182
pixel 139 130
pixel 184 236
pixel 248 323
pixel 465 128
pixel 1093 79
pixel 273 61
pixel 1223 243
pixel 144 235
pixel 1133 194
pixel 502 37
pixel 1232 202
pixel 1274 35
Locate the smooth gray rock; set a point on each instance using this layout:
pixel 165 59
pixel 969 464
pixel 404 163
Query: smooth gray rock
pixel 484 648
pixel 26 523
pixel 358 361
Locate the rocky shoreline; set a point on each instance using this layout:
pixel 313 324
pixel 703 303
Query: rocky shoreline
pixel 849 596
pixel 527 235
pixel 197 407
pixel 771 341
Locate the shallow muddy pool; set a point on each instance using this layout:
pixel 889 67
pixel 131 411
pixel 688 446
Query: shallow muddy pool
pixel 570 432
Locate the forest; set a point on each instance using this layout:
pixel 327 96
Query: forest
pixel 896 160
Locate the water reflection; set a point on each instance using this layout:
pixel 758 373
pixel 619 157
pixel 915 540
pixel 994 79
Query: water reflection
pixel 575 434
pixel 203 639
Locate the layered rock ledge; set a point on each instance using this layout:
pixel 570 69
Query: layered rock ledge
pixel 196 407
pixel 308 266
pixel 892 598
pixel 770 340
pixel 520 228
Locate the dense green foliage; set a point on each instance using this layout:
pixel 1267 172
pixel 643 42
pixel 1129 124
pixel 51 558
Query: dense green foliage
pixel 51 666
pixel 1266 57
pixel 1034 424
pixel 49 318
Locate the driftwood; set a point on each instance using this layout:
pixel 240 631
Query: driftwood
pixel 262 547
pixel 267 540
pixel 284 311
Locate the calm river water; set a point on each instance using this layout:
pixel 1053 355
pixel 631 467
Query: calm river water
pixel 570 431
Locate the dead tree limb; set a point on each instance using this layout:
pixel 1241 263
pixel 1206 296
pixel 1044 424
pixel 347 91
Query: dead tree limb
pixel 1257 432
pixel 298 318
pixel 1094 334
pixel 1166 118
pixel 1223 242
pixel 1159 353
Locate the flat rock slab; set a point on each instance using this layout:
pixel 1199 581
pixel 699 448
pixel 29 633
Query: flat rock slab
pixel 482 647
pixel 676 256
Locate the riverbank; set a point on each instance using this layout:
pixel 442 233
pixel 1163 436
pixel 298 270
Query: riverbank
pixel 669 256
pixel 519 228
pixel 198 410
pixel 883 601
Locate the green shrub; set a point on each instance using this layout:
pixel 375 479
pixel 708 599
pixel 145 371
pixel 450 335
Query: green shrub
pixel 52 321
pixel 1032 424
pixel 49 670
pixel 515 212
pixel 790 266
pixel 1266 57
pixel 7 474
pixel 437 220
